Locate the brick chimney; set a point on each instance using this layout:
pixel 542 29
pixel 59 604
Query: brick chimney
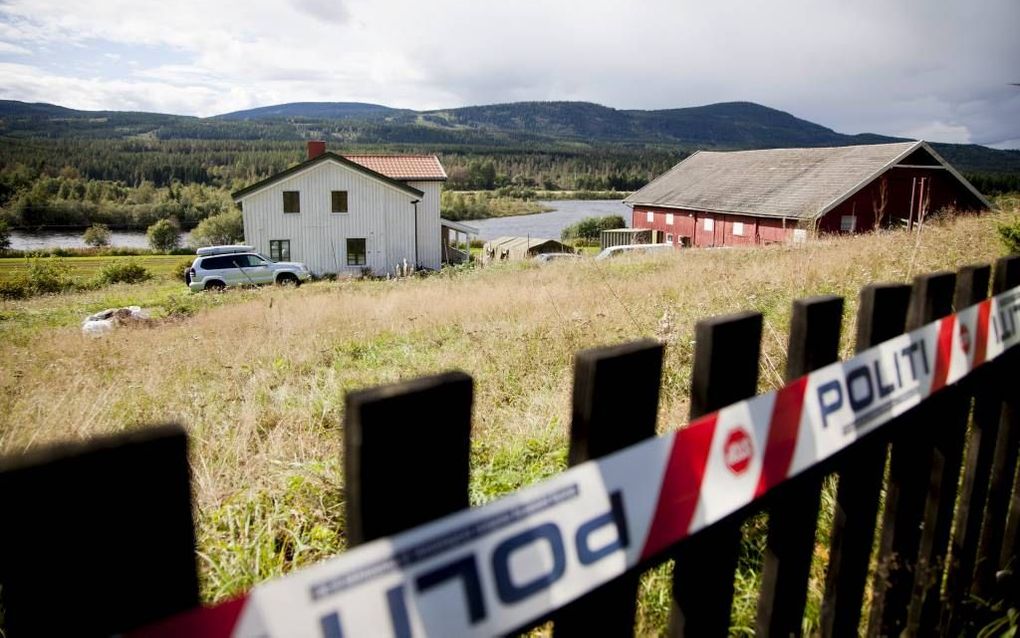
pixel 316 148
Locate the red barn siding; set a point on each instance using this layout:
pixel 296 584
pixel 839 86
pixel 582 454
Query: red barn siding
pixel 941 188
pixel 689 223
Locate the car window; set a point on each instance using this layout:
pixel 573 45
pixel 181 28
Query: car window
pixel 252 261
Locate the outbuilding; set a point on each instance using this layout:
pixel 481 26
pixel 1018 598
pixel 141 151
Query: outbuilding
pixel 517 248
pixel 784 195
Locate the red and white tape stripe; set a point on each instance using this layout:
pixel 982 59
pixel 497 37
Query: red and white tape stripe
pixel 492 569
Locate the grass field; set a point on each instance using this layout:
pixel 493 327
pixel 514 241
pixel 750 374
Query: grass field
pixel 259 377
pixel 88 267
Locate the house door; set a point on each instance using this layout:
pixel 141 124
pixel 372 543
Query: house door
pixel 376 247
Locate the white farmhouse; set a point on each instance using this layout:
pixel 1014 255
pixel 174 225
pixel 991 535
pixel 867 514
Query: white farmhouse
pixel 348 213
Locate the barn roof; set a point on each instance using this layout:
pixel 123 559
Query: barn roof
pixel 799 183
pixel 411 168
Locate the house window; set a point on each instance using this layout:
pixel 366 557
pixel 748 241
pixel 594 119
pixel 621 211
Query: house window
pixel 738 229
pixel 291 202
pixel 669 219
pixel 848 223
pixel 339 201
pixel 669 239
pixel 650 217
pixel 709 224
pixel 356 252
pixel 279 249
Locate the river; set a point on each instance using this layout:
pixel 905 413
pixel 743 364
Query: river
pixel 21 240
pixel 549 225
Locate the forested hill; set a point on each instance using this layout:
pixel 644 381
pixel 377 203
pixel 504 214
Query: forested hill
pixel 726 125
pixel 567 144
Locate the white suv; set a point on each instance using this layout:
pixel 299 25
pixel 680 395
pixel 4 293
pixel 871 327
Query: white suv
pixel 217 267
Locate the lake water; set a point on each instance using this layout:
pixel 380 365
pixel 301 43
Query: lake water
pixel 548 225
pixel 564 213
pixel 73 239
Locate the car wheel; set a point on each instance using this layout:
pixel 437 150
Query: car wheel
pixel 216 286
pixel 288 279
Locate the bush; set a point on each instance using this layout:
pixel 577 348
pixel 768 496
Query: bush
pixel 40 278
pixel 218 230
pixel 1010 236
pixel 5 235
pixel 97 235
pixel 182 267
pixel 123 272
pixel 589 228
pixel 164 236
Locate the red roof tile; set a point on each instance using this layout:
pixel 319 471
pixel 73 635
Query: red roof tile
pixel 407 168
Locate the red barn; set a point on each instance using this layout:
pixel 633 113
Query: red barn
pixel 780 195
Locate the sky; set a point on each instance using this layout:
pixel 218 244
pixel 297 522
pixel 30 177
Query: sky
pixel 932 69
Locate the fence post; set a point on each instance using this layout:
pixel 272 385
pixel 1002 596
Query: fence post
pixel 407 449
pixel 616 401
pixel 990 545
pixel 97 537
pixel 725 371
pixel 881 315
pixel 793 516
pixel 950 437
pixel 910 468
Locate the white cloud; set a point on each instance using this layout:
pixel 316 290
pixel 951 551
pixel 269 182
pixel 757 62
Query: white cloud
pixel 935 67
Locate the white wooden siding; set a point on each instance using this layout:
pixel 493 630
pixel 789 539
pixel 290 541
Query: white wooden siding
pixel 429 239
pixel 378 212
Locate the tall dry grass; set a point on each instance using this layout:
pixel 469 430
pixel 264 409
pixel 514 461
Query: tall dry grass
pixel 260 383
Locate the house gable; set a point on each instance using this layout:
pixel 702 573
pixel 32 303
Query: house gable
pixel 316 163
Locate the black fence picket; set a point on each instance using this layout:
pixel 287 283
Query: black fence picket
pixel 910 463
pixel 881 315
pixel 725 371
pixel 97 538
pixel 103 531
pixel 949 438
pixel 814 343
pixel 407 452
pixel 615 405
pixel 987 561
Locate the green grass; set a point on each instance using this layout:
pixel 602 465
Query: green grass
pixel 89 267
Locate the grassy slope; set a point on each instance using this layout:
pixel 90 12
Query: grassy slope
pixel 88 267
pixel 259 377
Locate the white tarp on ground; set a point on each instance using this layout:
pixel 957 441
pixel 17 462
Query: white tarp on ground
pixel 103 322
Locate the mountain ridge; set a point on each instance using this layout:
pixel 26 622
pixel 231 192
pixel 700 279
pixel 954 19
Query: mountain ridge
pixel 535 126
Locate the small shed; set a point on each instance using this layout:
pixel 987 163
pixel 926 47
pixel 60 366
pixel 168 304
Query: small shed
pixel 503 248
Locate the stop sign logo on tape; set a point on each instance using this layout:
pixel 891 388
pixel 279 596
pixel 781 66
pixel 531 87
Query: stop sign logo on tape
pixel 738 450
pixel 965 338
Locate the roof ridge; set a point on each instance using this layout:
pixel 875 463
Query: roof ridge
pixel 811 148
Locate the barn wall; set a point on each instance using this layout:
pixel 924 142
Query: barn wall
pixel 690 223
pixel 944 191
pixel 377 211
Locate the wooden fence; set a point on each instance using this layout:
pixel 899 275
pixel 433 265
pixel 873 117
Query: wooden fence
pixel 98 538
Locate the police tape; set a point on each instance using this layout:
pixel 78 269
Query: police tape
pixel 491 569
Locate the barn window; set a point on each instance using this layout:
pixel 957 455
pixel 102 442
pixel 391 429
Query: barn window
pixel 650 217
pixel 669 219
pixel 356 252
pixel 669 239
pixel 291 202
pixel 738 229
pixel 339 201
pixel 709 224
pixel 848 223
pixel 279 249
